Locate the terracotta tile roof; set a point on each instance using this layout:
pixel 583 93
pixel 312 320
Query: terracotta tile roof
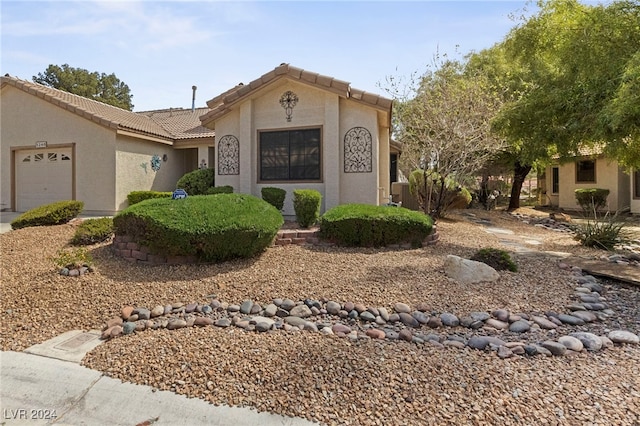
pixel 181 123
pixel 221 104
pixel 164 126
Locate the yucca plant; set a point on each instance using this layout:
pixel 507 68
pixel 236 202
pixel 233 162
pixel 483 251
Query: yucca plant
pixel 601 231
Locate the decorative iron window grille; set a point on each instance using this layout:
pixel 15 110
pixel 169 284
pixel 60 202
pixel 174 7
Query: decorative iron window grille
pixel 228 155
pixel 288 100
pixel 358 151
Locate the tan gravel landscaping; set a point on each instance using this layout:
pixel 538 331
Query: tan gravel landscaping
pixel 326 378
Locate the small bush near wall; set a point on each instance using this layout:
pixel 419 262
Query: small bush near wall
pixel 274 196
pixel 216 228
pixel 590 199
pixel 93 231
pixel 227 189
pixel 197 182
pixel 377 226
pixel 49 214
pixel 306 204
pixel 135 197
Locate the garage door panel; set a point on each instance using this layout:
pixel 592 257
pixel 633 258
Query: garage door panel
pixel 42 177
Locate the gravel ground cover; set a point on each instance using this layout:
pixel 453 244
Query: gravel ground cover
pixel 328 379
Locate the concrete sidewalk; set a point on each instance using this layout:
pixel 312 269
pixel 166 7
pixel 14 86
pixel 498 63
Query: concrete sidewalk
pixel 37 390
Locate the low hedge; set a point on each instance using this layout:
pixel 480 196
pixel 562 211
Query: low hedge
pixel 93 231
pixel 590 199
pixel 135 197
pixel 212 228
pixel 49 214
pixel 226 189
pixel 377 226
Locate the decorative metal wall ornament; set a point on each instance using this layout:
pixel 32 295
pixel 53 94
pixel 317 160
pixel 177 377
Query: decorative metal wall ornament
pixel 155 162
pixel 228 155
pixel 358 148
pixel 287 101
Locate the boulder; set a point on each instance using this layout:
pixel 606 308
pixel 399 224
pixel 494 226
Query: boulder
pixel 468 271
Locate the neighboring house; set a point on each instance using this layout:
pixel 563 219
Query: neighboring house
pixel 294 129
pixel 590 170
pixel 289 129
pixel 58 146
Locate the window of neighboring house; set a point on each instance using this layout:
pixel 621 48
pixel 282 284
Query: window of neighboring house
pixel 585 171
pixel 290 155
pixel 555 180
pixel 636 184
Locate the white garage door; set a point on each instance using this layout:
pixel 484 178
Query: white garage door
pixel 43 176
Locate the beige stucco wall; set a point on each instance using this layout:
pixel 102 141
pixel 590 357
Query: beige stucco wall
pixel 26 119
pixel 608 176
pixel 134 171
pixel 315 108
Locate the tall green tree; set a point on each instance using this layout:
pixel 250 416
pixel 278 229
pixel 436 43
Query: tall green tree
pixel 101 87
pixel 579 68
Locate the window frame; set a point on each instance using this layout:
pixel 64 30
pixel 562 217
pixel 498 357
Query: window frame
pixel 555 180
pixel 578 180
pixel 289 130
pixel 636 184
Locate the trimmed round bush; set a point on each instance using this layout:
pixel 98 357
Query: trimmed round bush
pixel 49 214
pixel 365 225
pixel 274 196
pixel 197 182
pixel 93 231
pixel 306 204
pixel 211 227
pixel 137 196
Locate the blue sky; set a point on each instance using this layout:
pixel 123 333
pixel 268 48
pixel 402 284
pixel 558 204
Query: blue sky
pixel 162 48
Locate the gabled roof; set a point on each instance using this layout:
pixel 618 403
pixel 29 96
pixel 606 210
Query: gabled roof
pixel 222 103
pixel 164 126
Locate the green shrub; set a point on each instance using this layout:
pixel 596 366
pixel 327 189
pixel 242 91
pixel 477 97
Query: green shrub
pixel 274 196
pixel 368 225
pixel 602 232
pixel 591 198
pixel 211 228
pixel 436 196
pixel 227 189
pixel 49 214
pixel 306 204
pixel 497 259
pixel 93 231
pixel 135 197
pixel 197 182
pixel 72 258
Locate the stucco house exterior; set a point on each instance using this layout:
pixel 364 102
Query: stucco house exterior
pixel 56 146
pixel 590 170
pixel 291 128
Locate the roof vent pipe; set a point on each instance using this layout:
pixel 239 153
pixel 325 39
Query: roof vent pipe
pixel 193 98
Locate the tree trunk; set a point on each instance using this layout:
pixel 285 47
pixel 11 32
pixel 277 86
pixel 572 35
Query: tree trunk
pixel 520 173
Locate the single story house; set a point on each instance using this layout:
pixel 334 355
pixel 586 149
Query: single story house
pixel 590 169
pixel 55 145
pixel 289 128
pixel 292 129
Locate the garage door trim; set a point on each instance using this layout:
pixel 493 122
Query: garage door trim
pixel 14 152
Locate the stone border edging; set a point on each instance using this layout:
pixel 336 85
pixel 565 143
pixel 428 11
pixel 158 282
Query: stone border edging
pixel 125 247
pixel 402 324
